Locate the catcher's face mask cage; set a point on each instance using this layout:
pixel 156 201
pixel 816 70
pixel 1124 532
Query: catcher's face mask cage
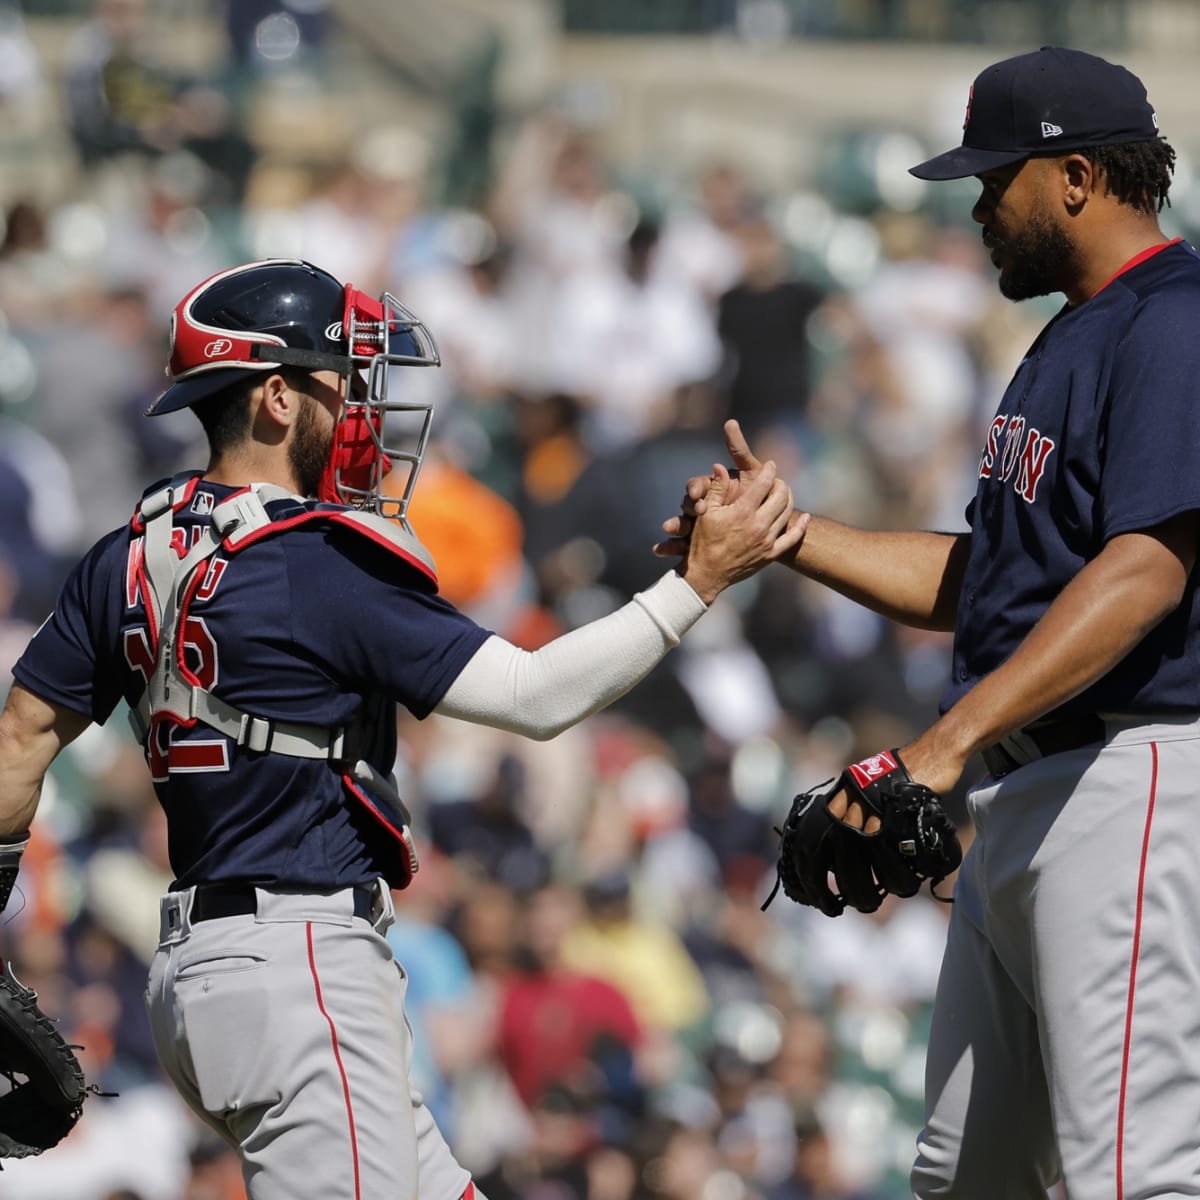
pixel 379 427
pixel 286 312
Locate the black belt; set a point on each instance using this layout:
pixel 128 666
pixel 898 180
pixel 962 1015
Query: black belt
pixel 210 901
pixel 1041 740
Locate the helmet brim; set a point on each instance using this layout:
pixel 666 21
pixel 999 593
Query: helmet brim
pixel 186 392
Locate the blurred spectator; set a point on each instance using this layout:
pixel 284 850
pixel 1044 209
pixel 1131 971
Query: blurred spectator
pixel 888 958
pixel 461 298
pixel 555 204
pixel 627 341
pixel 687 1164
pixel 922 309
pixel 215 1173
pixel 641 957
pixel 703 245
pixel 474 535
pixel 92 423
pixel 38 287
pixel 121 99
pixel 559 1026
pixel 21 73
pixel 159 239
pixel 763 323
pixel 487 829
pixel 40 523
pixel 741 840
pixel 118 97
pixel 450 1019
pixel 564 1134
pixel 814 1174
pixel 364 218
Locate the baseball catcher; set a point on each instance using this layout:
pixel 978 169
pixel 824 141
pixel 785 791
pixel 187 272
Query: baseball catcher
pixel 915 841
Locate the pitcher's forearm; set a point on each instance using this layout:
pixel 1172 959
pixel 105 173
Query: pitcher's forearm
pixel 912 578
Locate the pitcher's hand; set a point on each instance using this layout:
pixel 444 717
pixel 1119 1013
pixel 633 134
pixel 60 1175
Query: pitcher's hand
pixel 746 466
pixel 746 524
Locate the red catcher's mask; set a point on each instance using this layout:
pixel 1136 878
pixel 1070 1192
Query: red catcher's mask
pixel 381 334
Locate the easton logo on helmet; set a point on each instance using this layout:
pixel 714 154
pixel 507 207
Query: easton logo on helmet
pixel 334 332
pixel 217 348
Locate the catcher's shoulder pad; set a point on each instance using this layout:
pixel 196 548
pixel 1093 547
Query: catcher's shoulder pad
pixel 270 516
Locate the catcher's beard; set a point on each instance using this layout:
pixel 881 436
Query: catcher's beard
pixel 309 449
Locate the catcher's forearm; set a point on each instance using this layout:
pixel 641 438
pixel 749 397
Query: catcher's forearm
pixel 540 693
pixel 912 578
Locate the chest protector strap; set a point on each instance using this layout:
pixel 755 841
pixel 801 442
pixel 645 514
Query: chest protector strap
pixel 170 691
pixel 235 523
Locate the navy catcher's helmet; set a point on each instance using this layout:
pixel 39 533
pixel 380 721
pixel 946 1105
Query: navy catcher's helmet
pixel 286 312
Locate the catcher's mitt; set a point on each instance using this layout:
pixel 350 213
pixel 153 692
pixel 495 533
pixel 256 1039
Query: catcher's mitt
pixel 48 1087
pixel 916 840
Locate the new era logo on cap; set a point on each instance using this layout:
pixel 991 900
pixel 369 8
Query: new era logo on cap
pixel 1068 97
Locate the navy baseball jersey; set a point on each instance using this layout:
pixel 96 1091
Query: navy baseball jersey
pixel 1098 434
pixel 316 625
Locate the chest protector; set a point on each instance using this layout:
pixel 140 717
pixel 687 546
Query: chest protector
pixel 173 693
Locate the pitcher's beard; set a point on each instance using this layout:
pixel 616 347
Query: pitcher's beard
pixel 1037 261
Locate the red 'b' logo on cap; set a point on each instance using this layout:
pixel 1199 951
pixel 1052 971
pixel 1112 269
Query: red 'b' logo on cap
pixel 970 101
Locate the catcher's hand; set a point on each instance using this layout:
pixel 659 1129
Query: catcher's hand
pixel 916 840
pixel 47 1083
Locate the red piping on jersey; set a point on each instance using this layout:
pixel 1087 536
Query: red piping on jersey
pixel 1136 261
pixel 469 1194
pixel 1137 942
pixel 337 1057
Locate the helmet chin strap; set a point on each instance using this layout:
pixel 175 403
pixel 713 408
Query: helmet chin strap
pixel 356 462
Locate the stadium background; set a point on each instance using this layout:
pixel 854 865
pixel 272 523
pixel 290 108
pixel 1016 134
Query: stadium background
pixel 623 220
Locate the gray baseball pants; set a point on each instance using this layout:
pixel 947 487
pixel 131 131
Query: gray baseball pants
pixel 1066 1028
pixel 285 1031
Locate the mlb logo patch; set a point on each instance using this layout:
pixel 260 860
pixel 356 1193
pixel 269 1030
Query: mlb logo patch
pixel 202 504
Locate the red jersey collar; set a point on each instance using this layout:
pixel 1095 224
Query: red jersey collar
pixel 1135 261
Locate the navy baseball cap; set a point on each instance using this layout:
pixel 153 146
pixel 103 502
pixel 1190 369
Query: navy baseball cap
pixel 1050 100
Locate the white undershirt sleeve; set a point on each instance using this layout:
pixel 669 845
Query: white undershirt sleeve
pixel 540 693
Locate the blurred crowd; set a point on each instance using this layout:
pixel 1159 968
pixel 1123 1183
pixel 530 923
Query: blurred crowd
pixel 602 1008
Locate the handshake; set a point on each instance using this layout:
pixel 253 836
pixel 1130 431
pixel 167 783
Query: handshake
pixel 732 523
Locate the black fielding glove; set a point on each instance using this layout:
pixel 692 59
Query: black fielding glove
pixel 916 840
